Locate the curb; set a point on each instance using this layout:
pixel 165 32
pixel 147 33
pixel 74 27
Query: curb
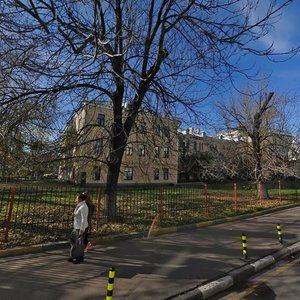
pixel 181 228
pixel 33 249
pixel 66 244
pixel 236 276
pixel 134 235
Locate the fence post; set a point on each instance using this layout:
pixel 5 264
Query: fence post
pixel 152 227
pixel 11 205
pixel 161 203
pixel 235 196
pixel 260 194
pixel 98 207
pixel 296 186
pixel 205 199
pixel 279 191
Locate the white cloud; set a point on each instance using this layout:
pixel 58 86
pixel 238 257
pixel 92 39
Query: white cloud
pixel 284 33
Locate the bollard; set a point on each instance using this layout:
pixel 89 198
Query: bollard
pixel 279 233
pixel 244 243
pixel 110 284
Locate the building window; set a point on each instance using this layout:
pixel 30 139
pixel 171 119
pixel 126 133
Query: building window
pixel 101 120
pixel 142 127
pixel 183 147
pixel 142 149
pixel 97 173
pixel 128 173
pixel 128 150
pixel 166 174
pixel 156 152
pixel 166 131
pixel 156 174
pixel 157 130
pixel 195 146
pixel 99 146
pixel 166 152
pixel 187 146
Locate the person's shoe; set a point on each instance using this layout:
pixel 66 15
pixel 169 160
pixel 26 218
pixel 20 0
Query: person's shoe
pixel 88 247
pixel 70 259
pixel 78 260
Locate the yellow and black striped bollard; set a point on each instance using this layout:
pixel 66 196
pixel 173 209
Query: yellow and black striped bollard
pixel 244 244
pixel 110 284
pixel 279 233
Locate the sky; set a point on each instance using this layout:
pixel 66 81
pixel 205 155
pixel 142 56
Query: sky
pixel 283 77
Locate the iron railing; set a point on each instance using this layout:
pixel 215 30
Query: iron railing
pixel 48 211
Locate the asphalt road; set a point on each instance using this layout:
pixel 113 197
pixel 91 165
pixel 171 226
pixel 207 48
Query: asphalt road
pixel 146 269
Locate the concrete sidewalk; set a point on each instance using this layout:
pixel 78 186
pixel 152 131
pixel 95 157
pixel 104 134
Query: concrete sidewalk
pixel 150 269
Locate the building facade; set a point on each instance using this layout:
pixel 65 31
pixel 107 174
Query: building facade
pixel 156 152
pixel 151 154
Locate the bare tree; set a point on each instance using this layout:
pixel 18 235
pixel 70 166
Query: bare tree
pixel 258 125
pixel 134 54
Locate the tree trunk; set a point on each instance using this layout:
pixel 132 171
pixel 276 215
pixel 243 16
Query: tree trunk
pixel 257 140
pixel 110 201
pixel 262 190
pixel 114 165
pixel 118 144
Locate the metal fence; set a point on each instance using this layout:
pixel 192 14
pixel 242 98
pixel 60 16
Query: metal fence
pixel 49 211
